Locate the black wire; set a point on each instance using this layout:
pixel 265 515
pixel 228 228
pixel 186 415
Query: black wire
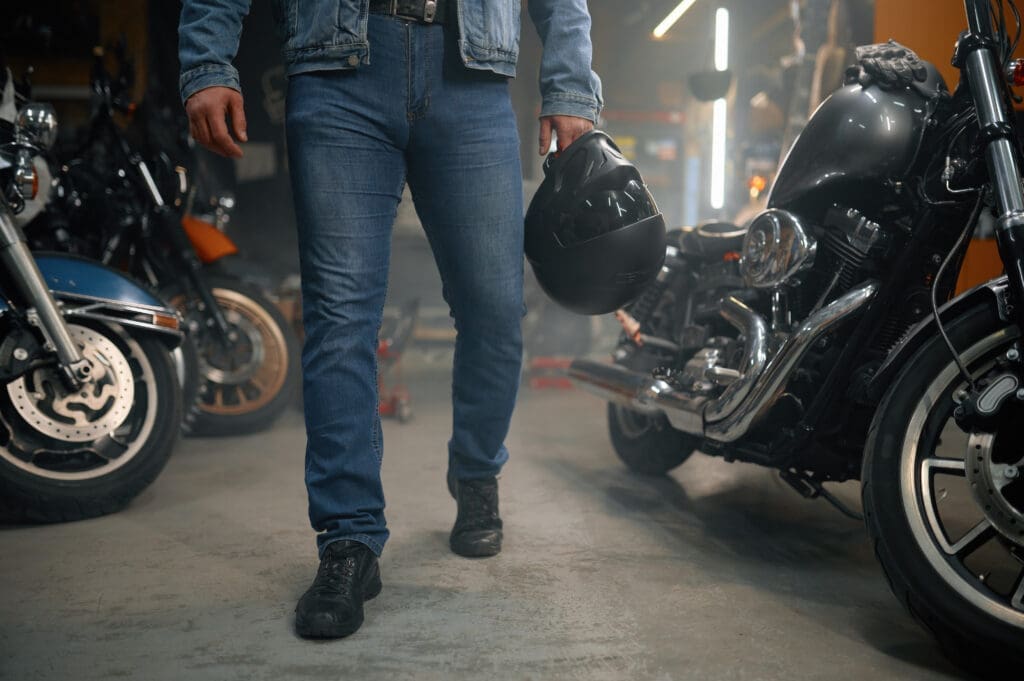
pixel 972 221
pixel 1013 48
pixel 1003 38
pixel 1017 19
pixel 999 20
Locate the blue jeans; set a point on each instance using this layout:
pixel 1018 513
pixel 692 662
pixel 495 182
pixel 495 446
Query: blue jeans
pixel 416 115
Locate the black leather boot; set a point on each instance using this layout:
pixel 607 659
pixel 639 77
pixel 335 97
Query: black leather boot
pixel 477 531
pixel 333 606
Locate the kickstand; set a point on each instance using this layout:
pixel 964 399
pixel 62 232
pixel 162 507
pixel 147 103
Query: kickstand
pixel 810 488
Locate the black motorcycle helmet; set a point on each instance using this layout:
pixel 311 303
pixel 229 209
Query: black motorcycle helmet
pixel 594 236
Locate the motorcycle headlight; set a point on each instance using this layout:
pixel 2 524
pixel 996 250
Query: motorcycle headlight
pixel 776 247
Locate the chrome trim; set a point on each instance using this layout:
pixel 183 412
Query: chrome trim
pixel 37 122
pixel 749 398
pixel 772 384
pixel 121 321
pixel 18 260
pixel 147 177
pixel 983 76
pixel 755 357
pixel 775 248
pixel 617 384
pixel 137 308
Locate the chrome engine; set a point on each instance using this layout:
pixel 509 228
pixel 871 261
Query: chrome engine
pixel 722 395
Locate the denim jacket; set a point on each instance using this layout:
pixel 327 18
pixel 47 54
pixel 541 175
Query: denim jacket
pixel 331 34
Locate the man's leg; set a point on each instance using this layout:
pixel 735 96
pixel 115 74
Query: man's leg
pixel 347 178
pixel 465 176
pixel 345 138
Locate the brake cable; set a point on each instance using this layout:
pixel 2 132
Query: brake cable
pixel 972 221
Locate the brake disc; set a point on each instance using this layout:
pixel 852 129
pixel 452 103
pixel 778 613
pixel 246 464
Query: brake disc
pixel 96 409
pixel 997 485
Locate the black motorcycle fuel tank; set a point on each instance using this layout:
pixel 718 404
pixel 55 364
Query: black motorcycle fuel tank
pixel 859 139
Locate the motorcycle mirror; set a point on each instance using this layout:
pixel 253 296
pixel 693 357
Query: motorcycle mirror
pixel 707 86
pixel 38 123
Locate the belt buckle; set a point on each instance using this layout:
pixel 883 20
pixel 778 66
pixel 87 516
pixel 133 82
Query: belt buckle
pixel 429 11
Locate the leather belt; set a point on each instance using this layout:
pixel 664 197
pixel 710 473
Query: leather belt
pixel 422 11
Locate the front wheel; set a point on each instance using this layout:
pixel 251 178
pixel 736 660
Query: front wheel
pixel 73 455
pixel 248 381
pixel 944 508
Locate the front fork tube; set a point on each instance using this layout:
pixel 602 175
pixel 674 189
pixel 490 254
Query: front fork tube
pixel 212 312
pixel 1003 166
pixel 17 259
pixel 183 248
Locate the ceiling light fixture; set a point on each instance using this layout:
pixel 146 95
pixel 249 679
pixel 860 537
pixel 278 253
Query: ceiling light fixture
pixel 675 15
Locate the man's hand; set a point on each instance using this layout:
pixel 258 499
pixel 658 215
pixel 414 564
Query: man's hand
pixel 568 129
pixel 208 111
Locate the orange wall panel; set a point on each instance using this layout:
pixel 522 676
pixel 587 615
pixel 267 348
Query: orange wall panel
pixel 929 27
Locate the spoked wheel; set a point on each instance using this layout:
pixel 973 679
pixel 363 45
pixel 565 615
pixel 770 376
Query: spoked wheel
pixel 73 455
pixel 946 508
pixel 249 380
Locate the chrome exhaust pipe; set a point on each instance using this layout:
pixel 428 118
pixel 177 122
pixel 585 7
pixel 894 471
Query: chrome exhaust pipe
pixel 772 384
pixel 729 417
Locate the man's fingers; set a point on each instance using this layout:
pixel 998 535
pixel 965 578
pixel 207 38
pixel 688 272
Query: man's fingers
pixel 222 141
pixel 571 129
pixel 545 135
pixel 208 113
pixel 200 130
pixel 566 135
pixel 236 110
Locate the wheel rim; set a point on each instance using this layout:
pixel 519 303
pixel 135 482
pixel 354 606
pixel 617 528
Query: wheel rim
pixel 58 436
pixel 965 546
pixel 250 373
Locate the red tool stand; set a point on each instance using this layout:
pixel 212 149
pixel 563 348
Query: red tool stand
pixel 395 334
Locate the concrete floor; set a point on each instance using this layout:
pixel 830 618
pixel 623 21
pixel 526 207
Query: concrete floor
pixel 717 572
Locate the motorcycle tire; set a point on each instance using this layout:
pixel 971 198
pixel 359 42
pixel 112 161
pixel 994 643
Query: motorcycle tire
pixel 648 445
pixel 49 476
pixel 246 390
pixel 974 629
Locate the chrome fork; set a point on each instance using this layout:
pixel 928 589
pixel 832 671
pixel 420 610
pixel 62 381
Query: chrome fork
pixel 16 258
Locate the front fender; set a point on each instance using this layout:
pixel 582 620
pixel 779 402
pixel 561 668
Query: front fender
pixel 992 292
pixel 90 290
pixel 68 275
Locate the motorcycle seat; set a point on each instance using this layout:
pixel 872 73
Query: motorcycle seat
pixel 709 239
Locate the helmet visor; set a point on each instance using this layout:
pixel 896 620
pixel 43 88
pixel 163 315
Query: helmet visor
pixel 605 211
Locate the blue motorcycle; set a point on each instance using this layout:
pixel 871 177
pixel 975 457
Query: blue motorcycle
pixel 90 403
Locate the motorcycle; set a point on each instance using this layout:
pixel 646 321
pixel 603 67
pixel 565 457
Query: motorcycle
pixel 814 342
pixel 115 206
pixel 90 404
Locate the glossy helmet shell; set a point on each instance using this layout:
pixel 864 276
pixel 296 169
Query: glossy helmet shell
pixel 594 236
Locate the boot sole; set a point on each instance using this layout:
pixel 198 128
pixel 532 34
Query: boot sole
pixel 323 626
pixel 483 545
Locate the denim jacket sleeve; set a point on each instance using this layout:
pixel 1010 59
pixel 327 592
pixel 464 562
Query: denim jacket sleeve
pixel 208 36
pixel 568 85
